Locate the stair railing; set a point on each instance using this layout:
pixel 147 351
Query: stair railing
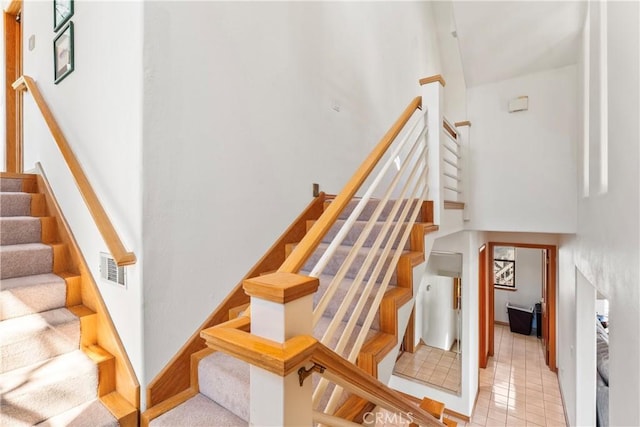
pixel 106 228
pixel 451 166
pixel 395 231
pixel 334 369
pixel 309 243
pixel 283 359
pixel 400 182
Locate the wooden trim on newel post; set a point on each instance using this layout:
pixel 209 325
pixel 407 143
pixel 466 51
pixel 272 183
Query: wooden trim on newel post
pixel 281 310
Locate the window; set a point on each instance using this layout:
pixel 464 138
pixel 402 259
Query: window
pixel 504 266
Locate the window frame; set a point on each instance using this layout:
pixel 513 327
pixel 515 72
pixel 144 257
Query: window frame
pixel 505 286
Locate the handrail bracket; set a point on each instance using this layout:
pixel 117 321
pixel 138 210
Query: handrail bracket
pixel 20 84
pixel 304 373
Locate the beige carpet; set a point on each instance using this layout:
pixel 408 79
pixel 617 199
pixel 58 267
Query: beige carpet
pixel 45 378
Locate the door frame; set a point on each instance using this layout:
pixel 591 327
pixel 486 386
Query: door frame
pixel 549 321
pixel 13 99
pixel 483 318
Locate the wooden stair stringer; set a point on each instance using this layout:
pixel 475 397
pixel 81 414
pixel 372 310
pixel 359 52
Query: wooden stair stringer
pixel 379 346
pixel 118 388
pixel 174 378
pixel 243 323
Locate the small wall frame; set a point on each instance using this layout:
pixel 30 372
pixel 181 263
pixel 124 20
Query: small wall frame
pixel 63 53
pixel 62 12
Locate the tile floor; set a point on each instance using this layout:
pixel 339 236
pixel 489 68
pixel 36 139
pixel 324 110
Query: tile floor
pixel 431 365
pixel 516 388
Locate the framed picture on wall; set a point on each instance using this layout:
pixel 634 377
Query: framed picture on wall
pixel 62 12
pixel 63 53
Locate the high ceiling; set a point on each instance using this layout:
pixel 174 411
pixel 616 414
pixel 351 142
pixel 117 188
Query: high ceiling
pixel 504 39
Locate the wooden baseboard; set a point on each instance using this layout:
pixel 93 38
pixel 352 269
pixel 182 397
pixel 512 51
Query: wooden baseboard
pixel 457 415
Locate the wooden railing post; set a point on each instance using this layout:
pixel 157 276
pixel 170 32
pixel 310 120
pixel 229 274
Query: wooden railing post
pixel 281 308
pixel 433 100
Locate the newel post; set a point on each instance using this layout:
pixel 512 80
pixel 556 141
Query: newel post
pixel 433 102
pixel 281 308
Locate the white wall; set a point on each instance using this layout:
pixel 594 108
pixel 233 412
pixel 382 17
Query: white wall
pixel 567 325
pixel 523 171
pixel 98 107
pixel 455 92
pixel 239 120
pixel 605 250
pixel 528 283
pixel 585 346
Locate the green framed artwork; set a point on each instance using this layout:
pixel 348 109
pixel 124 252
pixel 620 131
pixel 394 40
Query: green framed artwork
pixel 62 12
pixel 63 53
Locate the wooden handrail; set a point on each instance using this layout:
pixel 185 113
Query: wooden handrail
pixel 282 359
pixel 310 242
pixel 432 79
pixel 352 378
pixel 108 232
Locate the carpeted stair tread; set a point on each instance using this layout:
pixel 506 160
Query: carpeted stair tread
pixel 322 326
pixel 15 204
pixel 340 294
pixel 25 260
pixel 356 230
pixel 370 208
pixel 92 413
pixel 42 390
pixel 339 256
pixel 10 184
pixel 29 339
pixel 25 295
pixel 19 229
pixel 199 411
pixel 225 380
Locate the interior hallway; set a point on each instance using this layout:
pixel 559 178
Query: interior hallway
pixel 517 388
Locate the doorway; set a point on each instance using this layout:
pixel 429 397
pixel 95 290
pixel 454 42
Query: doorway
pixel 13 99
pixel 487 301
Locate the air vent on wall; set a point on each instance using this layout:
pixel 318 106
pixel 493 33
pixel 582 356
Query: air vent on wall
pixel 110 271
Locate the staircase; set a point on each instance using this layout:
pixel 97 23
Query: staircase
pixel 52 370
pixel 367 264
pixel 219 391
